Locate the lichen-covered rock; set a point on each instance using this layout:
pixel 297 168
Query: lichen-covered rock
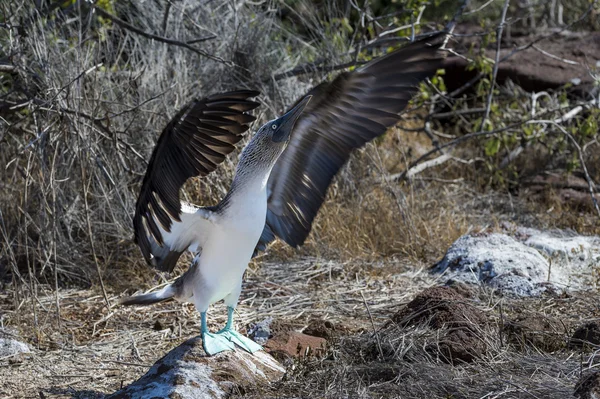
pixel 11 347
pixel 572 256
pixel 498 260
pixel 528 264
pixel 187 372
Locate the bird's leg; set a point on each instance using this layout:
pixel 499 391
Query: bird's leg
pixel 213 343
pixel 245 343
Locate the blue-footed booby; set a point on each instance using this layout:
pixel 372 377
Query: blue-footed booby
pixel 280 181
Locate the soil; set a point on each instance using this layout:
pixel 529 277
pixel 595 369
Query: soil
pixel 461 324
pixel 588 386
pixel 587 335
pixel 545 333
pixel 386 330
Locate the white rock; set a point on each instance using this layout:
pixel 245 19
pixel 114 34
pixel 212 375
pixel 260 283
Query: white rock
pixel 526 266
pixel 573 257
pixel 11 347
pixel 495 259
pixel 187 372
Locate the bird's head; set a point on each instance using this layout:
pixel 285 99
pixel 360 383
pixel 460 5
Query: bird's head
pixel 272 137
pixel 281 128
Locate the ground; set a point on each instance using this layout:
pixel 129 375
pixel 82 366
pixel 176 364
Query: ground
pixel 392 335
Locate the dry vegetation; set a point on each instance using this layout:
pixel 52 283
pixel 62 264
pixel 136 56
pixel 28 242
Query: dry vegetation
pixel 83 98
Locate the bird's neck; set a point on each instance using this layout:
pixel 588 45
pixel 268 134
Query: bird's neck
pixel 250 181
pixel 248 189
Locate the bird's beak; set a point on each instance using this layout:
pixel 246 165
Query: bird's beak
pixel 286 122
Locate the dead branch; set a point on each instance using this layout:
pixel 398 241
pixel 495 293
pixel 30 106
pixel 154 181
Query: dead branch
pixel 496 62
pixel 7 68
pixel 401 176
pixel 129 27
pixel 313 68
pixel 412 172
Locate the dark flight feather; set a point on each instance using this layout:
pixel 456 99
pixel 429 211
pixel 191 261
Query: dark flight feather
pixel 343 115
pixel 192 144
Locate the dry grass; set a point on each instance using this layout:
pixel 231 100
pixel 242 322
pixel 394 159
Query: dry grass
pixel 96 351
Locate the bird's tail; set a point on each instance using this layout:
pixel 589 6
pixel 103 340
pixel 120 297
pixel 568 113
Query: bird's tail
pixel 146 299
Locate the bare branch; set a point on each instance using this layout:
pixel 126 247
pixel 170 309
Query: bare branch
pixel 7 68
pixel 496 63
pixel 412 172
pixel 132 28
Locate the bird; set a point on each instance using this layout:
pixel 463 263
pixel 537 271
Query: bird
pixel 280 181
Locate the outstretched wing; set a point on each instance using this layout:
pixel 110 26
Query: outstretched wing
pixel 343 115
pixel 194 143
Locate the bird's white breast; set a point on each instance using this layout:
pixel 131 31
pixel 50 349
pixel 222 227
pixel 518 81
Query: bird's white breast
pixel 232 240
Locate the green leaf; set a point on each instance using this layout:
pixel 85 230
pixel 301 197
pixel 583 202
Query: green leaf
pixel 492 146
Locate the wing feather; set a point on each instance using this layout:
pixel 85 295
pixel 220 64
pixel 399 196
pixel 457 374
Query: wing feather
pixel 343 115
pixel 192 144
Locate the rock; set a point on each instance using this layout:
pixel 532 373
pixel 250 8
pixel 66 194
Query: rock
pixel 187 372
pixel 295 344
pixel 444 308
pixel 587 335
pixel 531 69
pixel 528 264
pixel 534 330
pixel 588 386
pixel 572 256
pixel 568 189
pixel 12 347
pixel 261 331
pixel 497 260
pixel 567 246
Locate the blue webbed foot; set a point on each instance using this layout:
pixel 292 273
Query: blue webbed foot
pixel 216 343
pixel 226 339
pixel 238 339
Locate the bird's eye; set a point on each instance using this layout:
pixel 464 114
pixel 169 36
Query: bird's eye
pixel 273 127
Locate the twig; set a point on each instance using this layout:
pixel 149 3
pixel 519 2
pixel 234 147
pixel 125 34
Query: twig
pixel 412 25
pixel 452 24
pixel 496 63
pixel 469 136
pixel 412 172
pixel 54 228
pixel 373 325
pixel 314 67
pixel 132 28
pixel 479 8
pixel 442 115
pixel 547 54
pixel 202 39
pixel 7 68
pixel 454 142
pixel 89 226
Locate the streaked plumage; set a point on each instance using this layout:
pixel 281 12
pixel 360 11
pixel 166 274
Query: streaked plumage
pixel 276 191
pixel 343 115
